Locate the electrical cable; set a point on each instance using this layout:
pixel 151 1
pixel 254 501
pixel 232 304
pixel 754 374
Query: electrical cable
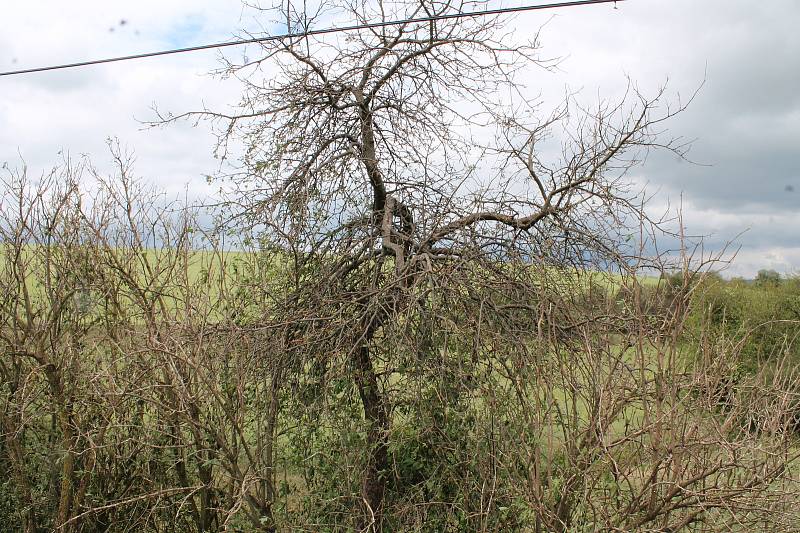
pixel 322 31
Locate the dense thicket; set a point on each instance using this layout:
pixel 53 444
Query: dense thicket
pixel 163 388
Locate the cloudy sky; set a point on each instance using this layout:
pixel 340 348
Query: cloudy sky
pixel 745 119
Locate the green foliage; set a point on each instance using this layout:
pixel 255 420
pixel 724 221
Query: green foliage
pixel 9 504
pixel 763 314
pixel 768 278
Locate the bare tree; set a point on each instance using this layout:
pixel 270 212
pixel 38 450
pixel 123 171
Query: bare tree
pixel 359 161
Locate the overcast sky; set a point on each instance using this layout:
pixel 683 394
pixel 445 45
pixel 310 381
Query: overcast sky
pixel 745 119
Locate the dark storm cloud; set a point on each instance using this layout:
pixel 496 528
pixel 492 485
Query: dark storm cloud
pixel 747 122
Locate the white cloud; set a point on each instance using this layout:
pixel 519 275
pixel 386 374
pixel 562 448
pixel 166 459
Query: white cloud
pixel 76 110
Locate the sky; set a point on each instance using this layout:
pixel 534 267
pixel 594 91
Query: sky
pixel 743 188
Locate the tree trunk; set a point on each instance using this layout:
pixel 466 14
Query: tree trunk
pixel 374 481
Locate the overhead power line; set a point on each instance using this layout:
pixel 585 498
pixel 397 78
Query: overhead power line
pixel 322 31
